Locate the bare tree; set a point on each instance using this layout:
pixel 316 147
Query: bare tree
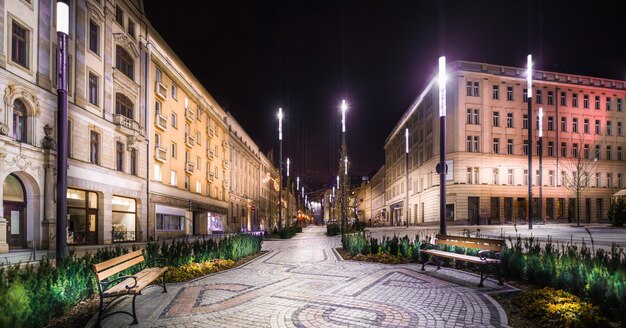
pixel 577 170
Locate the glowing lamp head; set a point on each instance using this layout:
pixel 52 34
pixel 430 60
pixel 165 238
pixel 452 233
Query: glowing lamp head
pixel 442 86
pixel 540 117
pixel 280 124
pixel 344 108
pixel 287 166
pixel 63 17
pixel 406 140
pixel 529 75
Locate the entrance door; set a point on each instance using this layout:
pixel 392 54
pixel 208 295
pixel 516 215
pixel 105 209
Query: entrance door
pixel 14 203
pixel 472 210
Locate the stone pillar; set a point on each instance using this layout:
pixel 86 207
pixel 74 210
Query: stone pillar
pixel 48 235
pixel 4 247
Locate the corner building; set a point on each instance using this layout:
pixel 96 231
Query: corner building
pixel 487 146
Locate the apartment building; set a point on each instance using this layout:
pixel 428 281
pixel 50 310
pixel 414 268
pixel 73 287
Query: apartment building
pixel 487 146
pixel 269 186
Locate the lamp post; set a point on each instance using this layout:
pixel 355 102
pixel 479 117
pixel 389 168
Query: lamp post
pixel 540 116
pixel 529 80
pixel 63 18
pixel 406 168
pixel 280 170
pixel 442 168
pixel 344 155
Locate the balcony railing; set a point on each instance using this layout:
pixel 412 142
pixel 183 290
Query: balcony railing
pixel 160 154
pixel 189 114
pixel 129 123
pixel 210 132
pixel 160 90
pixel 189 140
pixel 189 166
pixel 160 121
pixel 209 176
pixel 211 154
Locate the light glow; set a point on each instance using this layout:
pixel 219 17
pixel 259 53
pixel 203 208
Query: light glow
pixel 406 140
pixel 337 181
pixel 297 183
pixel 280 124
pixel 344 108
pixel 63 17
pixel 287 166
pixel 345 166
pixel 442 86
pixel 529 75
pixel 540 116
pixel 302 191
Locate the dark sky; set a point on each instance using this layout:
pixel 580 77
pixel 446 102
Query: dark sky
pixel 305 56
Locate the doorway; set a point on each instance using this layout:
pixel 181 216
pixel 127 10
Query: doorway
pixel 472 210
pixel 14 203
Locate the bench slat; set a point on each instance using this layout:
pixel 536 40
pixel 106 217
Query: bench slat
pixel 472 239
pixel 144 279
pixel 114 261
pixel 467 258
pixel 470 245
pixel 113 270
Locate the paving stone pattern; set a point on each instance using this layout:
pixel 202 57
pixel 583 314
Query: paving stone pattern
pixel 303 282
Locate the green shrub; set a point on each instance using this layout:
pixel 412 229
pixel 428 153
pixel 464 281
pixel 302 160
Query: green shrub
pixel 617 212
pixel 332 230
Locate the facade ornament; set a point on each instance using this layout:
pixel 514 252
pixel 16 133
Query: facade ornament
pixel 4 129
pixel 48 141
pixel 22 162
pixel 95 12
pixel 13 92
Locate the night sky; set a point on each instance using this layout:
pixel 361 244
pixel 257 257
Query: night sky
pixel 305 56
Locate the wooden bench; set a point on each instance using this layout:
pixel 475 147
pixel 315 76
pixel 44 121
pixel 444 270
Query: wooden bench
pixel 488 259
pixel 126 285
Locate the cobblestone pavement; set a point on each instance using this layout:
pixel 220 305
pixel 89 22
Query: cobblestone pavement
pixel 303 282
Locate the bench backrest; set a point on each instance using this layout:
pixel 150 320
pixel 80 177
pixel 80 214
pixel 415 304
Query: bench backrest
pixel 469 242
pixel 110 267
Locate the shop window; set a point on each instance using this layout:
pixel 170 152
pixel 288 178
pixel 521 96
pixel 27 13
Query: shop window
pixel 82 223
pixel 124 219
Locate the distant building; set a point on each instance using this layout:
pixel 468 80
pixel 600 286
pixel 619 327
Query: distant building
pixel 487 128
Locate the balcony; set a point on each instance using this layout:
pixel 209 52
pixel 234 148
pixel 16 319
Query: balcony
pixel 225 183
pixel 189 140
pixel 209 176
pixel 160 121
pixel 160 154
pixel 225 144
pixel 225 164
pixel 189 115
pixel 210 153
pixel 160 90
pixel 127 125
pixel 189 167
pixel 210 132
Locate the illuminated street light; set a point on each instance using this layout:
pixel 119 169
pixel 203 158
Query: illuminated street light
pixel 540 115
pixel 288 168
pixel 529 80
pixel 280 164
pixel 442 167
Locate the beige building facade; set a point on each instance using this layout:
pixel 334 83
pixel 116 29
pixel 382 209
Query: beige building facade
pixel 487 129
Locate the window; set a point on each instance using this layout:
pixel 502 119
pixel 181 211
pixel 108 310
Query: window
pixel 598 179
pixel 597 126
pixel 496 92
pixel 174 150
pixel 586 151
pixel 608 128
pixel 563 99
pixel 550 123
pixel 551 178
pixel 166 222
pixel 124 219
pixel 575 150
pixel 510 177
pixel 609 180
pixel 198 114
pixel 525 95
pixel 619 153
pixel 124 62
pixel 608 152
pixel 157 140
pixel 539 99
pixel 563 178
pixel 509 93
pixel 94 149
pixel 525 122
pixel 119 15
pixel 575 125
pixel 174 91
pixel 94 37
pixel 157 75
pixel 158 174
pixel 123 106
pixel 187 182
pixel 538 183
pixel 119 156
pixel 20 125
pixel 173 178
pixel 619 180
pixel 509 120
pixel 198 187
pixel 19 45
pixel 93 89
pixel 550 98
pixel 574 100
pixel 174 122
pixel 608 103
pixel 563 149
pixel 509 146
pixel 585 101
pixel 525 147
pixel 619 104
pixel 468 119
pixel 586 126
pixel 619 128
pixel 133 161
pixel 597 102
pixel 551 148
pixel 198 138
pixel 496 146
pixel 476 89
pixel 597 152
pixel 468 145
pixel 525 178
pixel 564 124
pixel 496 119
pixel 198 163
pixel 496 176
pixel 131 28
pixel 469 88
pixel 475 144
pixel 472 175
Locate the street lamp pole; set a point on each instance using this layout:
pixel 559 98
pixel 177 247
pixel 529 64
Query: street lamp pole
pixel 280 170
pixel 406 169
pixel 529 79
pixel 540 116
pixel 442 145
pixel 62 130
pixel 344 153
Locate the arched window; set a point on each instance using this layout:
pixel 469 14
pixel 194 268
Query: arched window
pixel 19 121
pixel 123 105
pixel 124 62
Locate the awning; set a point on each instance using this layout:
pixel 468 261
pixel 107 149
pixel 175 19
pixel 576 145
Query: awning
pixel 162 209
pixel 620 193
